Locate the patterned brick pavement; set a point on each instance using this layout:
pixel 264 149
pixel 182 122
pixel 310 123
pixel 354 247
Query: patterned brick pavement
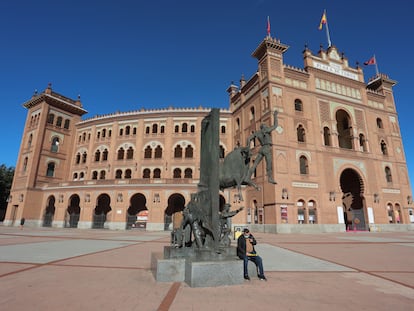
pixel 74 269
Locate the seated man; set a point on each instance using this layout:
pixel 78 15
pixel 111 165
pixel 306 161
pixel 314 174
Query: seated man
pixel 246 251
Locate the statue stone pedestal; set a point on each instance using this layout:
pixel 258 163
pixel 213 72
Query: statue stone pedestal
pixel 213 273
pixel 198 268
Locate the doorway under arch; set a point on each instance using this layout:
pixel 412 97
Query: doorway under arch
pixel 49 212
pixel 176 204
pixel 137 204
pixel 353 200
pixel 103 207
pixel 73 211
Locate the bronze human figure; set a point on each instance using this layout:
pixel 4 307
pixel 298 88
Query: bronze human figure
pixel 264 137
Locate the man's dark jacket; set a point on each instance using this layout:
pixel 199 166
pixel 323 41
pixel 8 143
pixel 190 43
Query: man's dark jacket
pixel 241 245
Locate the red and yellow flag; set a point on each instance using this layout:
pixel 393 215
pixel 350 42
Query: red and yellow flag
pixel 324 20
pixel 371 61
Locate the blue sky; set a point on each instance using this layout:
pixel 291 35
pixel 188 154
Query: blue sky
pixel 126 55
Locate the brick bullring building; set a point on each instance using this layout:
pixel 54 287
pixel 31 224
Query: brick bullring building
pixel 338 155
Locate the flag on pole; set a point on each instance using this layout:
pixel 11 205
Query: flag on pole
pixel 324 21
pixel 371 61
pixel 268 26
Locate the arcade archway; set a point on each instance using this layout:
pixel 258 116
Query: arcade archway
pixel 172 213
pixel 49 212
pixel 137 204
pixel 103 207
pixel 73 212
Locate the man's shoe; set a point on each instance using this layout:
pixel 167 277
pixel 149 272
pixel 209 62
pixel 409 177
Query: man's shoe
pixel 262 278
pixel 246 277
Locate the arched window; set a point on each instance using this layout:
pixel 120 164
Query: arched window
pixel 238 124
pixel 300 131
pixel 128 173
pixel 388 175
pixel 84 137
pixel 326 136
pixel 188 173
pixel 177 173
pixel 148 152
pixel 146 173
pixel 192 128
pixel 189 152
pixel 130 153
pixel 78 158
pixel 184 128
pixel 59 121
pixel 155 128
pixel 81 175
pixel 29 142
pixel 384 149
pixel 121 153
pixel 97 156
pixel 50 118
pixel 105 155
pixel 362 143
pixel 118 174
pixel 298 105
pixel 103 133
pixel 98 135
pixel 157 173
pixel 127 130
pixel 178 152
pixel 303 165
pixel 55 144
pixel 67 124
pixel 26 159
pixel 121 132
pixel 102 175
pixel 147 130
pixel 134 131
pixel 84 157
pixel 252 114
pixel 162 129
pixel 223 129
pixel 95 175
pixel 380 125
pixel 302 219
pixel 313 219
pixel 176 129
pixel 75 176
pixel 391 214
pixel 158 152
pixel 50 172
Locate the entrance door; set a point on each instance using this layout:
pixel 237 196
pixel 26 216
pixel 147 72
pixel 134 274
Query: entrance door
pixel 353 200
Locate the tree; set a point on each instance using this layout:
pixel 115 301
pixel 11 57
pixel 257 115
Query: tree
pixel 6 179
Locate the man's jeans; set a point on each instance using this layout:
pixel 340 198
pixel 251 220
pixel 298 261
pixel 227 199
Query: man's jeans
pixel 258 262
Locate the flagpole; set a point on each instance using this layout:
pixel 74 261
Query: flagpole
pixel 327 31
pixel 376 65
pixel 268 26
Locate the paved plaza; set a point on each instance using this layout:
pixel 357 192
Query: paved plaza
pixel 75 269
